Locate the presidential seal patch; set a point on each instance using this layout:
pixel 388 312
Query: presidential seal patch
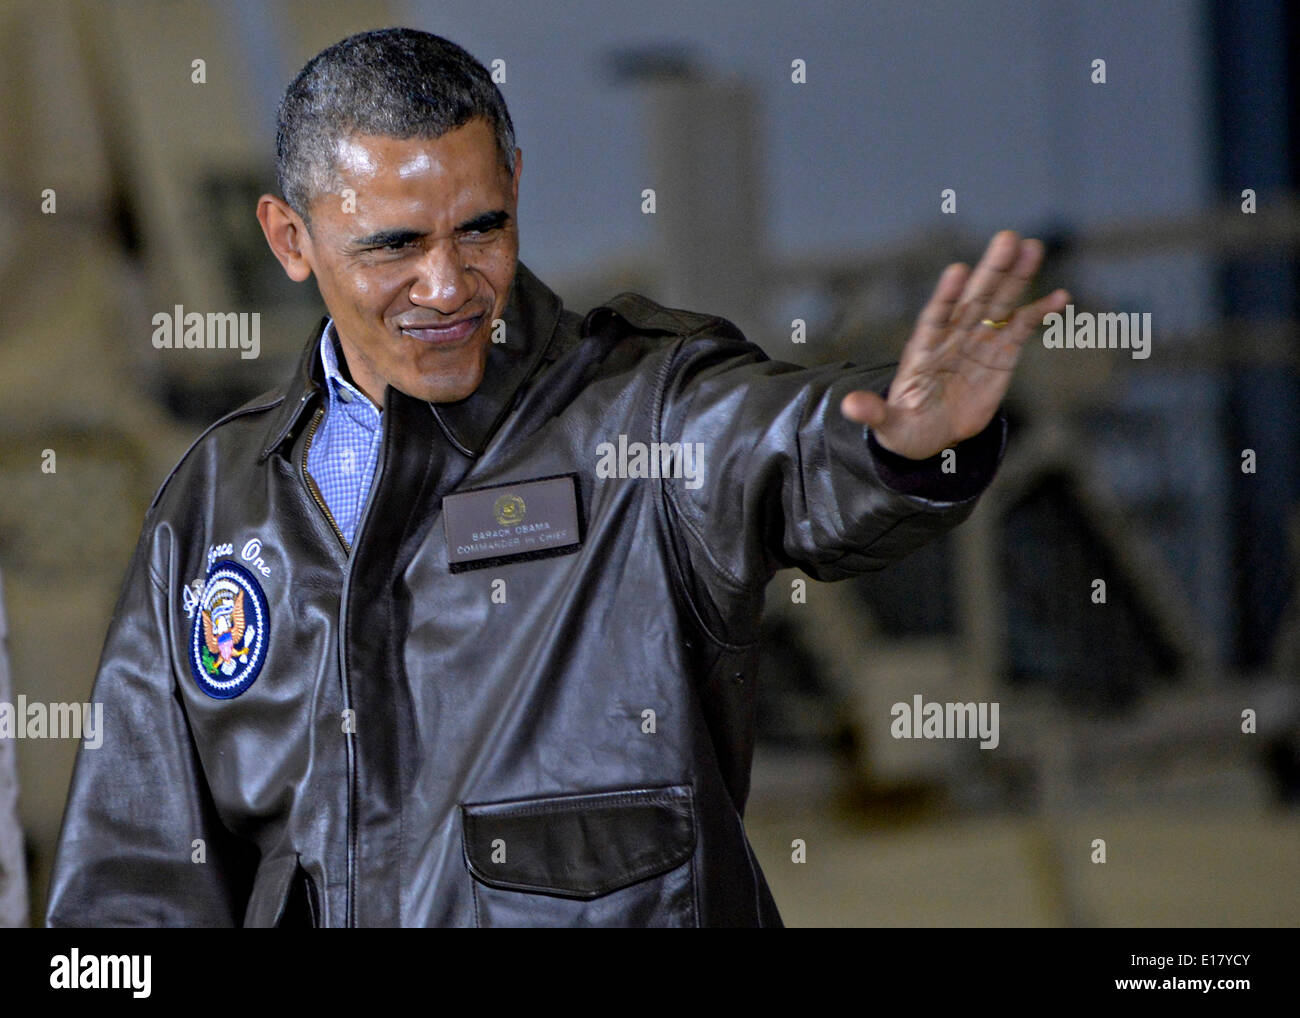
pixel 229 632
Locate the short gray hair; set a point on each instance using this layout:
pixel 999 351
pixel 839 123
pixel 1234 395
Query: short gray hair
pixel 392 82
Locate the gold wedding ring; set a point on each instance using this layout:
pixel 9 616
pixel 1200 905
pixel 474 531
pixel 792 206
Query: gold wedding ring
pixel 996 325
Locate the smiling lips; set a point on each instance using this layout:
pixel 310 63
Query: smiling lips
pixel 438 335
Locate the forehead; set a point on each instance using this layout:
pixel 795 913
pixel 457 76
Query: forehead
pixel 461 168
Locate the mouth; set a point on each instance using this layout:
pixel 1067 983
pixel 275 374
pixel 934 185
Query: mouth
pixel 443 334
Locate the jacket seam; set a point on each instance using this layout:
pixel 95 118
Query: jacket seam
pixel 562 804
pixel 158 581
pixel 233 415
pixel 695 851
pixel 737 584
pixel 695 893
pixel 666 498
pixel 723 573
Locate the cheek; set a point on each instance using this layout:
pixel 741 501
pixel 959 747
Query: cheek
pixel 367 293
pixel 372 286
pixel 346 285
pixel 499 266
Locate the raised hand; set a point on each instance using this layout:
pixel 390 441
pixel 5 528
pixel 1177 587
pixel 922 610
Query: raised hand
pixel 956 367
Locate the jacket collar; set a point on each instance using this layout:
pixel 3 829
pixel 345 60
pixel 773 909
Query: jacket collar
pixel 531 315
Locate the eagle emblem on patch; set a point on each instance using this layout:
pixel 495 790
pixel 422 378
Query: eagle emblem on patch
pixel 229 631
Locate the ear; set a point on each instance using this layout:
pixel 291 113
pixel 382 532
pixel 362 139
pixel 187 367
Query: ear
pixel 519 165
pixel 287 236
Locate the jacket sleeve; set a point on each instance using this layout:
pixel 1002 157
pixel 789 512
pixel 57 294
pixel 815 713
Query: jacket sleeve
pixel 787 480
pixel 139 817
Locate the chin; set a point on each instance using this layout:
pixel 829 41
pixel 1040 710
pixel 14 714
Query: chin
pixel 450 384
pixel 445 390
pixel 449 395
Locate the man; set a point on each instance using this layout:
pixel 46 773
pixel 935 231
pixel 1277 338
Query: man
pixel 458 625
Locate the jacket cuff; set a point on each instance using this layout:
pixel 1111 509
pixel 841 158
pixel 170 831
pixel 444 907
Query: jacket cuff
pixel 976 463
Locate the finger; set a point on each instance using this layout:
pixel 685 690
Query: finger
pixel 999 258
pixel 1007 296
pixel 998 349
pixel 865 407
pixel 1030 317
pixel 934 320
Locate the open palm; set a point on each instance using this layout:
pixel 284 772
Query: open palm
pixel 954 369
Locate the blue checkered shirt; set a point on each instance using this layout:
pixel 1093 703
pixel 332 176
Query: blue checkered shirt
pixel 345 448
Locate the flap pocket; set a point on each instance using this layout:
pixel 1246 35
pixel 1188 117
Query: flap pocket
pixel 580 846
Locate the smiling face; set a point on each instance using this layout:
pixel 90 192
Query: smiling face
pixel 416 267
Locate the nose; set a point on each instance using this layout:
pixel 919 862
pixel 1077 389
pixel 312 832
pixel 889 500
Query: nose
pixel 443 282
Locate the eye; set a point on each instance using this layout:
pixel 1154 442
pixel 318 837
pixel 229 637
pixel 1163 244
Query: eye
pixel 484 232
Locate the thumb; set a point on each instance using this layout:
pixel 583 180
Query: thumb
pixel 865 408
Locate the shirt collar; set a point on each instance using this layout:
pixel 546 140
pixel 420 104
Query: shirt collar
pixel 340 388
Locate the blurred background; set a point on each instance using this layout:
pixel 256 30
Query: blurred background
pixel 127 187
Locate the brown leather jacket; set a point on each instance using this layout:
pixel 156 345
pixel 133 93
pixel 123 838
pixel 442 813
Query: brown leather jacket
pixel 297 732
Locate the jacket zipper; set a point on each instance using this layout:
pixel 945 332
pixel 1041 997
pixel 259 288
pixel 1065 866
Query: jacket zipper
pixel 311 481
pixel 349 907
pixel 375 481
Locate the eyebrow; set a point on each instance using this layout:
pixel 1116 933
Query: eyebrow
pixel 386 237
pixel 383 238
